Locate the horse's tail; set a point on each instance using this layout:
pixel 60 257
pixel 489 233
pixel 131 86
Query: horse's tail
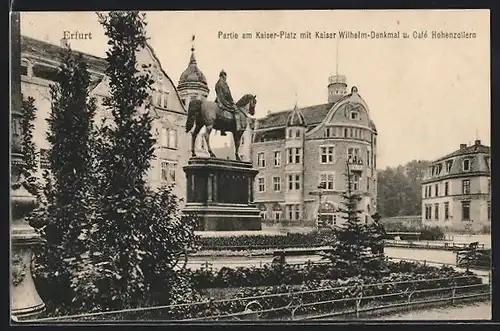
pixel 193 111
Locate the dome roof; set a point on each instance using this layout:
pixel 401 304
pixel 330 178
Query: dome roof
pixel 296 118
pixel 192 74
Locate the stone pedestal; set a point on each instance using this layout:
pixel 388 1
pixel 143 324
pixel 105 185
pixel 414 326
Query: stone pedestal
pixel 25 301
pixel 220 193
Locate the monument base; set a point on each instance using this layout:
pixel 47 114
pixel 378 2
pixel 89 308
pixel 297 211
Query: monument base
pixel 220 195
pixel 25 301
pixel 217 217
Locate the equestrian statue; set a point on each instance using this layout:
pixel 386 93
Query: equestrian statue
pixel 223 115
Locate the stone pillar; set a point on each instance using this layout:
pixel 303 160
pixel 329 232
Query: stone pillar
pixel 25 301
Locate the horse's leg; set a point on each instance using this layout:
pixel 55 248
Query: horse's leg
pixel 194 134
pixel 237 140
pixel 208 130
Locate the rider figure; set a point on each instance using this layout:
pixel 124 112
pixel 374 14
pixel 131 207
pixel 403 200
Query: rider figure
pixel 224 98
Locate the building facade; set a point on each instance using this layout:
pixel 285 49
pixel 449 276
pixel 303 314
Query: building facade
pixel 40 62
pixel 456 189
pixel 299 150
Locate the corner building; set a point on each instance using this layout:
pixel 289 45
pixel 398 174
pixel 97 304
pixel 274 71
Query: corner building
pixel 456 189
pixel 297 150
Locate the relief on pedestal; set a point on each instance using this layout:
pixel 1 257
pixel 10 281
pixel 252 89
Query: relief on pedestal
pixel 18 270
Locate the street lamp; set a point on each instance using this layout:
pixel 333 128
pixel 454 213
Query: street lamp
pixel 321 187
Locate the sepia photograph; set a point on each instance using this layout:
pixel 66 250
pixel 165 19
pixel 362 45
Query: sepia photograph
pixel 240 166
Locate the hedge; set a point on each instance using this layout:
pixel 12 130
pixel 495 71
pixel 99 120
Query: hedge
pixel 288 274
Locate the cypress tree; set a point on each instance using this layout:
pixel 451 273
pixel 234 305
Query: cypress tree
pixel 129 148
pixel 69 210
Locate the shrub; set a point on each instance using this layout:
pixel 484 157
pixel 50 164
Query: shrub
pixel 432 233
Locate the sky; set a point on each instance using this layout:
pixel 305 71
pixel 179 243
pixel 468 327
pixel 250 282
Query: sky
pixel 426 96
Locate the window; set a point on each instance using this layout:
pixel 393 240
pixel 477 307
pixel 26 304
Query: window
pixel 439 169
pixel 466 165
pixel 164 101
pixel 242 140
pixel 353 155
pixel 436 190
pixel 489 185
pixel 293 182
pixel 261 160
pixel 44 159
pixel 263 215
pixel 330 132
pixel 436 211
pixel 327 180
pixel 368 184
pixel 172 138
pixel 168 171
pixel 45 72
pixel 345 133
pixel 294 155
pixel 368 158
pixel 355 182
pixel 277 215
pixel 277 184
pixel 262 184
pixel 297 133
pixel 354 115
pixel 289 133
pixel 448 166
pixel 466 186
pixel 465 210
pixel 326 154
pixel 446 188
pixel 489 210
pixel 428 212
pixel 158 96
pixel 277 158
pixel 25 67
pixel 293 212
pixel 446 210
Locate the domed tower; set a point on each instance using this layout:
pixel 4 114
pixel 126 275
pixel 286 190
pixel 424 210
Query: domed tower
pixel 337 87
pixel 193 85
pixel 294 164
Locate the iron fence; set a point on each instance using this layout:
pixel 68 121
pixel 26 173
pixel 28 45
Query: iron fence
pixel 359 303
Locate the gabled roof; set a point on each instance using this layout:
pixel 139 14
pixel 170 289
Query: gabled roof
pixel 47 50
pixel 313 115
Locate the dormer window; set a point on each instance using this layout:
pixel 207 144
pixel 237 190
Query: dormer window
pixel 448 166
pixel 26 69
pixel 466 165
pixel 354 115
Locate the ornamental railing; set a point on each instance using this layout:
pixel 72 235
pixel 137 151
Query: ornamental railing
pixel 297 310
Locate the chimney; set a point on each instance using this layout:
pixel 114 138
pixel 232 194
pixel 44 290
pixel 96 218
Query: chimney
pixel 477 142
pixel 462 146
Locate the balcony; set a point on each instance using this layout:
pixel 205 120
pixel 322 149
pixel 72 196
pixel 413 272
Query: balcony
pixel 355 164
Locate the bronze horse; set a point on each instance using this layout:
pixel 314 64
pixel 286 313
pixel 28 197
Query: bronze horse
pixel 203 113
